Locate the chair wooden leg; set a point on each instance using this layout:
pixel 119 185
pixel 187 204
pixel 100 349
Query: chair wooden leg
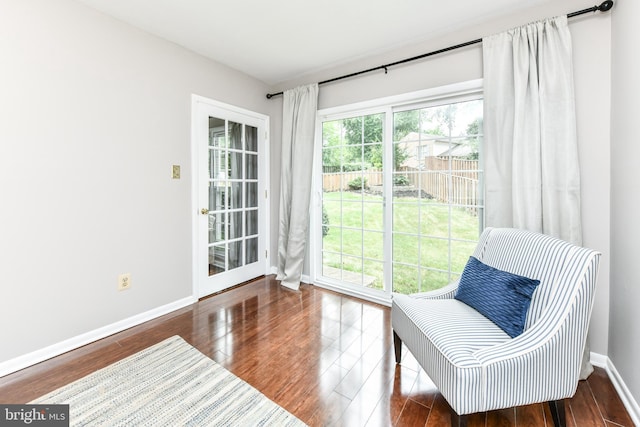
pixel 558 413
pixel 458 420
pixel 397 346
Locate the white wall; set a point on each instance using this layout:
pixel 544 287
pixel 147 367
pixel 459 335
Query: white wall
pixel 624 338
pixel 93 113
pixel 591 41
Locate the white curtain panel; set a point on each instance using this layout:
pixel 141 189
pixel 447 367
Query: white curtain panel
pixel 298 129
pixel 532 173
pixel 532 176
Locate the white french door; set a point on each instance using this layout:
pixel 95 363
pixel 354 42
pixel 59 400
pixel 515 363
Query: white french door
pixel 230 179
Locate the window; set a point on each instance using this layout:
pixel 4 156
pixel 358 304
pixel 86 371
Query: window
pixel 423 156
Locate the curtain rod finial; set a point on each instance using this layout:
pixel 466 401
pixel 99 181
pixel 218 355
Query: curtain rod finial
pixel 271 95
pixel 605 5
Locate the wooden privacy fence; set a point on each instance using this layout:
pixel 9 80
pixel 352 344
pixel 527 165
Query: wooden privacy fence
pixel 340 180
pixel 459 167
pixel 443 187
pixel 448 180
pixel 445 179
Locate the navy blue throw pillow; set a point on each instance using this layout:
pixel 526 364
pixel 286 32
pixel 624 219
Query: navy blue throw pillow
pixel 502 297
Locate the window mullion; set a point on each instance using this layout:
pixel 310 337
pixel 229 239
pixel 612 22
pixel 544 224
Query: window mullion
pixel 387 200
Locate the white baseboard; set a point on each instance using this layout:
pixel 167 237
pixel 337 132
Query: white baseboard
pixel 602 361
pixel 623 391
pixel 57 349
pixel 599 360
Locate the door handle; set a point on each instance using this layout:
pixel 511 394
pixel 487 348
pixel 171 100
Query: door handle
pixel 204 211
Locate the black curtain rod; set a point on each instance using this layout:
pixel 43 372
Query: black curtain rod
pixel 603 7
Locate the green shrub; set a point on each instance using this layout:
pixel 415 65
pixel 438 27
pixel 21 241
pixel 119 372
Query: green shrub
pixel 325 221
pixel 400 180
pixel 355 167
pixel 358 183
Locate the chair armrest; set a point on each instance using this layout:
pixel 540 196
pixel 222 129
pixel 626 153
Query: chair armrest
pixel 446 292
pixel 537 348
pixel 544 364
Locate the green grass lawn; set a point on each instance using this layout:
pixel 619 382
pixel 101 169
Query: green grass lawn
pixel 422 250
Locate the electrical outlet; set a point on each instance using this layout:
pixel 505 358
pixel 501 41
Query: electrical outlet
pixel 175 172
pixel 124 281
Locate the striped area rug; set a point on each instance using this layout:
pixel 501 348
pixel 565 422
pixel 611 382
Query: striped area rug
pixel 168 384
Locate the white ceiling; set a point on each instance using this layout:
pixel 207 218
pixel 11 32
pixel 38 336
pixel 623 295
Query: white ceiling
pixel 278 40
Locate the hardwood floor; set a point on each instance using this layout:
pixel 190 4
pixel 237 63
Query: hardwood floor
pixel 326 358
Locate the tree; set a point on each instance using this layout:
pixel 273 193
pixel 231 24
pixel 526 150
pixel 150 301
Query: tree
pixel 366 134
pixel 362 134
pixel 405 122
pixel 331 141
pixel 474 130
pixel 440 120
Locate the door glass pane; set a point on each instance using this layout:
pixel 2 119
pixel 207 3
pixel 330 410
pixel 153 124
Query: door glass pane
pixel 252 195
pixel 217 164
pixel 372 245
pixel 252 250
pixel 217 227
pixel 235 165
pixel 217 195
pixel 217 257
pixel 235 195
pixel 251 166
pixel 235 136
pixel 373 274
pixel 251 138
pixel 217 136
pixel 352 211
pixel 235 225
pixel 434 279
pixel 352 242
pixel 331 212
pixel 406 279
pixel 235 254
pixel 252 222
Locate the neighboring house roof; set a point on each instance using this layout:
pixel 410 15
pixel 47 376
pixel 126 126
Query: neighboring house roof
pixel 421 145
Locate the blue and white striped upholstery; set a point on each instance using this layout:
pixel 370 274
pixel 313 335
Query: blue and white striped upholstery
pixel 477 366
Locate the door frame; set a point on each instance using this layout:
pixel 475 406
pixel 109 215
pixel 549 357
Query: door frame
pixel 196 171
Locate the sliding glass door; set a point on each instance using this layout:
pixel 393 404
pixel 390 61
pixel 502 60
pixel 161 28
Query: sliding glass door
pixel 437 199
pixel 352 201
pixel 401 196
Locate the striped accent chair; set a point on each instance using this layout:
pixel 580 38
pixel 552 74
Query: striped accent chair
pixel 475 364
